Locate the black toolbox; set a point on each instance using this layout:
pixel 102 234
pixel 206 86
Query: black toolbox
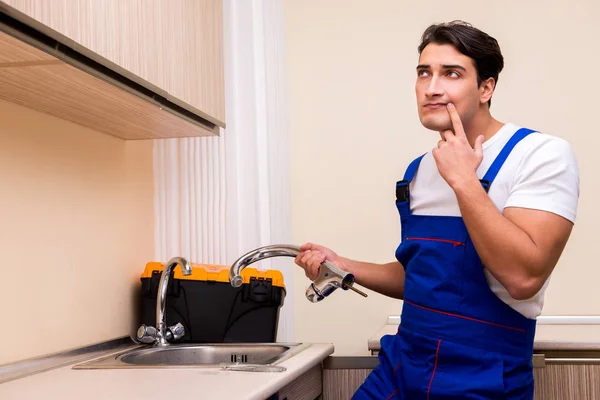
pixel 213 311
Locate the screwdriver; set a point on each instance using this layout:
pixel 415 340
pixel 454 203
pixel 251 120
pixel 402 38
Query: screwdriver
pixel 355 290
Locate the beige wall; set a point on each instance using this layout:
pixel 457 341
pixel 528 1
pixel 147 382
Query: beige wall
pixel 77 227
pixel 355 128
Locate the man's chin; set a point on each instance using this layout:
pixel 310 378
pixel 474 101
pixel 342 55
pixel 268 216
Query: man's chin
pixel 437 126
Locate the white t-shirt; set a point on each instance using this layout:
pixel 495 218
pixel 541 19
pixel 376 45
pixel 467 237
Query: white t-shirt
pixel 540 173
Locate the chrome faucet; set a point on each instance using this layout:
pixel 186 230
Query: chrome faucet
pixel 330 277
pixel 160 335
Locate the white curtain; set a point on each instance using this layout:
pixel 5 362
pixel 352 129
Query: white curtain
pixel 217 198
pixel 190 199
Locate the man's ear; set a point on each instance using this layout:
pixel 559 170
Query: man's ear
pixel 486 90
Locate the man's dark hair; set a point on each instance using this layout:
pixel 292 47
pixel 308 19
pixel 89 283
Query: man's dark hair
pixel 470 41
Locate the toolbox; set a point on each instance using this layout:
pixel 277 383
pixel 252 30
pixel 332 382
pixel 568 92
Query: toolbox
pixel 213 311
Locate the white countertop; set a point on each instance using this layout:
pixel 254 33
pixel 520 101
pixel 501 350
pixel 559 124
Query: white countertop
pixel 547 337
pixel 185 383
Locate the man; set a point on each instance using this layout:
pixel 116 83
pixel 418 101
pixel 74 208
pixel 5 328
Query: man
pixel 485 217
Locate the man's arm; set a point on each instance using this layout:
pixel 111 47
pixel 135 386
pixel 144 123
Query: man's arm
pixel 387 279
pixel 521 247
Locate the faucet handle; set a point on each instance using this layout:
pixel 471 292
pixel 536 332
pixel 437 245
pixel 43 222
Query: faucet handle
pixel 175 332
pixel 146 334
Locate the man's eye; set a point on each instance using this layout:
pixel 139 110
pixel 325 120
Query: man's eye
pixel 422 73
pixel 453 74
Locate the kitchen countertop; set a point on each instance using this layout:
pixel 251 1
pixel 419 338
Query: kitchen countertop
pixel 191 383
pixel 547 337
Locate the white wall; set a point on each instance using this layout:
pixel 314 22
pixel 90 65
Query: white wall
pixel 354 126
pixel 77 229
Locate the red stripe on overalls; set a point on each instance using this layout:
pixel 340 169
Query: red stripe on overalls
pixel 397 367
pixel 437 353
pixel 454 242
pixel 468 318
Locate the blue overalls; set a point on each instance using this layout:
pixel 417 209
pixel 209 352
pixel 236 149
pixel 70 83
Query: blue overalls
pixel 457 339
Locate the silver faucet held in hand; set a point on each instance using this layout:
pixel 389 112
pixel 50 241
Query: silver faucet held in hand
pixel 329 279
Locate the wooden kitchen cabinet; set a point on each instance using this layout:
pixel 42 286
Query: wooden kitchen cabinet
pixel 176 45
pixel 574 380
pixel 341 384
pixel 308 386
pixel 567 382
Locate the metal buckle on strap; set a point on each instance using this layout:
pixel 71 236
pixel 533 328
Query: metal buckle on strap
pixel 402 193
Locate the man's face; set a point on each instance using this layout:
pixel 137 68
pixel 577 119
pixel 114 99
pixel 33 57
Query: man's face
pixel 444 75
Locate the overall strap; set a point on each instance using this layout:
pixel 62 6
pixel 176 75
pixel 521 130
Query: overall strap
pixel 412 168
pixel 491 173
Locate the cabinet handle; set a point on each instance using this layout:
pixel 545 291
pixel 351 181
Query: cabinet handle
pixel 539 361
pixel 579 361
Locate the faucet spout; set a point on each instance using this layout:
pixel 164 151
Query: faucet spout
pixel 261 253
pixel 161 322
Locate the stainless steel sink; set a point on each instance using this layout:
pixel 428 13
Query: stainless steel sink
pixel 197 355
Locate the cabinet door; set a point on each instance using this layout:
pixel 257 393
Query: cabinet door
pixel 567 382
pixel 177 45
pixel 308 386
pixel 341 384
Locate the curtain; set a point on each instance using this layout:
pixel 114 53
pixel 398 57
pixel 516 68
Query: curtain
pixel 217 198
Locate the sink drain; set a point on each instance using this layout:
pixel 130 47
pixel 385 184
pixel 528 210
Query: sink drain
pixel 239 358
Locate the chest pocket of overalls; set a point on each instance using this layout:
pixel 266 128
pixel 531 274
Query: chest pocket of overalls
pixel 433 253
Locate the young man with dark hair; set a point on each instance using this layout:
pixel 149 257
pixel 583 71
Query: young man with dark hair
pixel 485 217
